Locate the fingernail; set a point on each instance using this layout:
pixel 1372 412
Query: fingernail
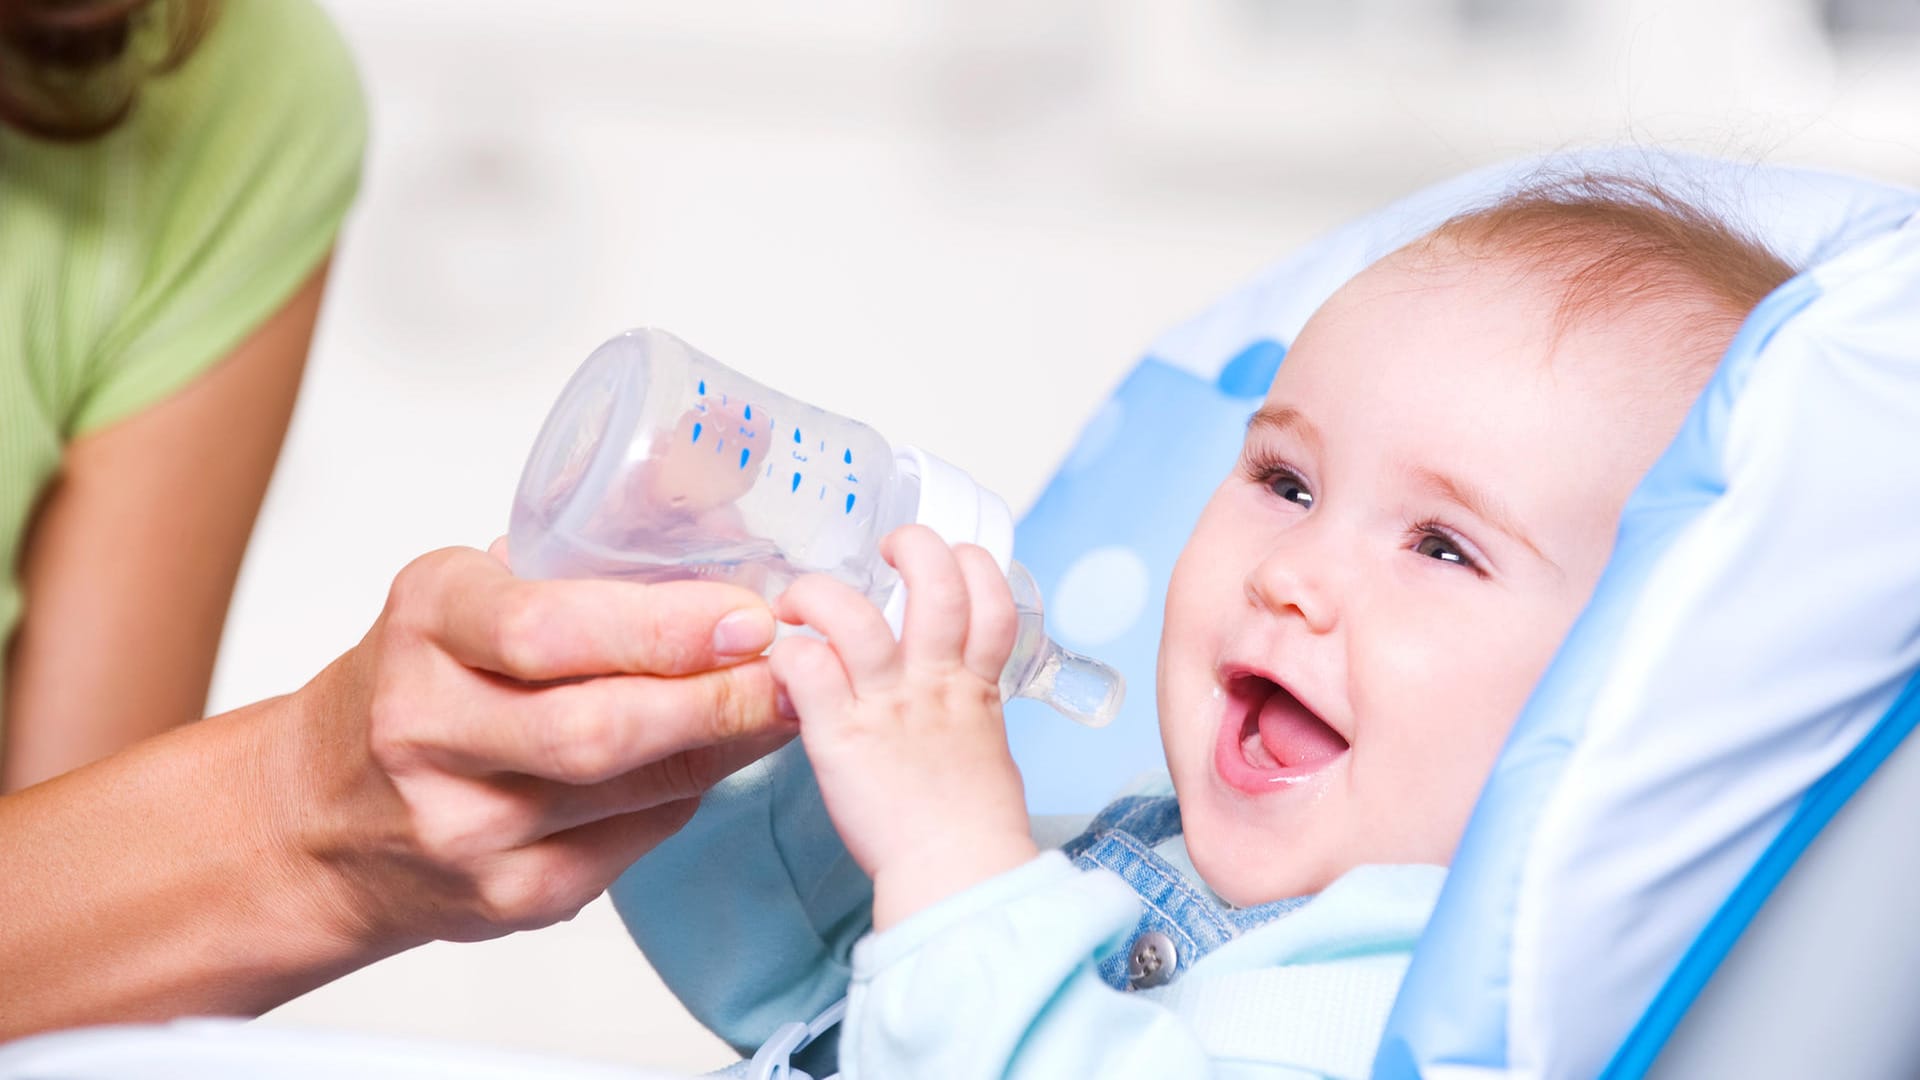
pixel 744 632
pixel 783 705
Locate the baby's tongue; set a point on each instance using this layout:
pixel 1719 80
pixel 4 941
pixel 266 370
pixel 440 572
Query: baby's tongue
pixel 1293 735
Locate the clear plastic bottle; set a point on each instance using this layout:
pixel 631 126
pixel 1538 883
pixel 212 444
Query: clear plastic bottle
pixel 658 463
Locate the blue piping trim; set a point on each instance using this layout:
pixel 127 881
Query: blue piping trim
pixel 1821 802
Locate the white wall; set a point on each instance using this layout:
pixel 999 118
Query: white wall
pixel 953 219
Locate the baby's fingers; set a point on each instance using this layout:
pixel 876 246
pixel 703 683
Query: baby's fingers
pixel 813 678
pixel 993 623
pixel 935 628
pixel 848 620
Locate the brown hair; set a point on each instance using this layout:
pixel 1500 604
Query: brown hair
pixel 72 69
pixel 1619 245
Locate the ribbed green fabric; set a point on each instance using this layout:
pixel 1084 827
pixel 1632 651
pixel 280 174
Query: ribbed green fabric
pixel 130 264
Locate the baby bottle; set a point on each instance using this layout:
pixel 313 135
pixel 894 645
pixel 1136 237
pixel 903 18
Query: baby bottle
pixel 658 463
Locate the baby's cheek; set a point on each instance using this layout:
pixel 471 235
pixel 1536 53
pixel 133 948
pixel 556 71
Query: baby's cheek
pixel 1495 682
pixel 1501 644
pixel 1454 688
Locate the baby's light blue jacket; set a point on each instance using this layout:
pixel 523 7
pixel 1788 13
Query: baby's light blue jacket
pixel 755 915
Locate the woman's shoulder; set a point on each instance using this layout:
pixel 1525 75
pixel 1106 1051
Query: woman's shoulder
pixel 221 192
pixel 270 46
pixel 272 84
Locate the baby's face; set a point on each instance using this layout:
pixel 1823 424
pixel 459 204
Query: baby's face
pixel 1423 505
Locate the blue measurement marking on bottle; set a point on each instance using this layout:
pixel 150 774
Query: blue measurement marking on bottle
pixel 849 508
pixel 796 484
pixel 696 432
pixel 703 387
pixel 852 479
pixel 823 492
pixel 720 446
pixel 745 452
pixel 748 414
pixel 796 435
pixel 847 457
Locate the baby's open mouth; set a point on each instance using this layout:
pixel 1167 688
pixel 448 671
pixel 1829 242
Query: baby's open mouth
pixel 1278 733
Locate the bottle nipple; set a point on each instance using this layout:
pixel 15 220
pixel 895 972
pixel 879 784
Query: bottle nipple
pixel 1077 687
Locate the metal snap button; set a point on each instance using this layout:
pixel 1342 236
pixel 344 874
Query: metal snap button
pixel 1152 960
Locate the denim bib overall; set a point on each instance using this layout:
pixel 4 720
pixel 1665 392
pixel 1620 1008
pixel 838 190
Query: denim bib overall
pixel 1182 921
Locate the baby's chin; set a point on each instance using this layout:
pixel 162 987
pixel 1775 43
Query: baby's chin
pixel 1252 871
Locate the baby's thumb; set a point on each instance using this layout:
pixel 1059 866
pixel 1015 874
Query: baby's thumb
pixel 498 549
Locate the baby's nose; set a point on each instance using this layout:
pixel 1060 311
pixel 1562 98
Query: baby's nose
pixel 1290 580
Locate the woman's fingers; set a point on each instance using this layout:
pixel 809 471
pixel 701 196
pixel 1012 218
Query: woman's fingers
pixel 992 623
pixel 590 731
pixel 553 879
pixel 935 628
pixel 471 606
pixel 855 627
pixel 679 777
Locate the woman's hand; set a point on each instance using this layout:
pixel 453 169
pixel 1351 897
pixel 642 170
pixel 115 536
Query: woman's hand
pixel 487 759
pixel 907 738
pixel 497 751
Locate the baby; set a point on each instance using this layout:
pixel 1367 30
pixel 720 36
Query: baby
pixel 1423 504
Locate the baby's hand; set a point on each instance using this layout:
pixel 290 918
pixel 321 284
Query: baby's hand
pixel 907 738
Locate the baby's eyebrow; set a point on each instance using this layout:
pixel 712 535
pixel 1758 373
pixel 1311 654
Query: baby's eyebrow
pixel 1481 504
pixel 1280 418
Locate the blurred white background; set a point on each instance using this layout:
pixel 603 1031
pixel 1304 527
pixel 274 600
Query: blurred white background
pixel 960 220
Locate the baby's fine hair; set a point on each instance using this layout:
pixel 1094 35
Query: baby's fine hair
pixel 1622 246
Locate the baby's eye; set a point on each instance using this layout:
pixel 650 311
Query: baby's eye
pixel 1290 487
pixel 1437 546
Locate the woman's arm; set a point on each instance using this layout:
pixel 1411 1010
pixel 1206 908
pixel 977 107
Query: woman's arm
pixel 130 561
pixel 158 882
